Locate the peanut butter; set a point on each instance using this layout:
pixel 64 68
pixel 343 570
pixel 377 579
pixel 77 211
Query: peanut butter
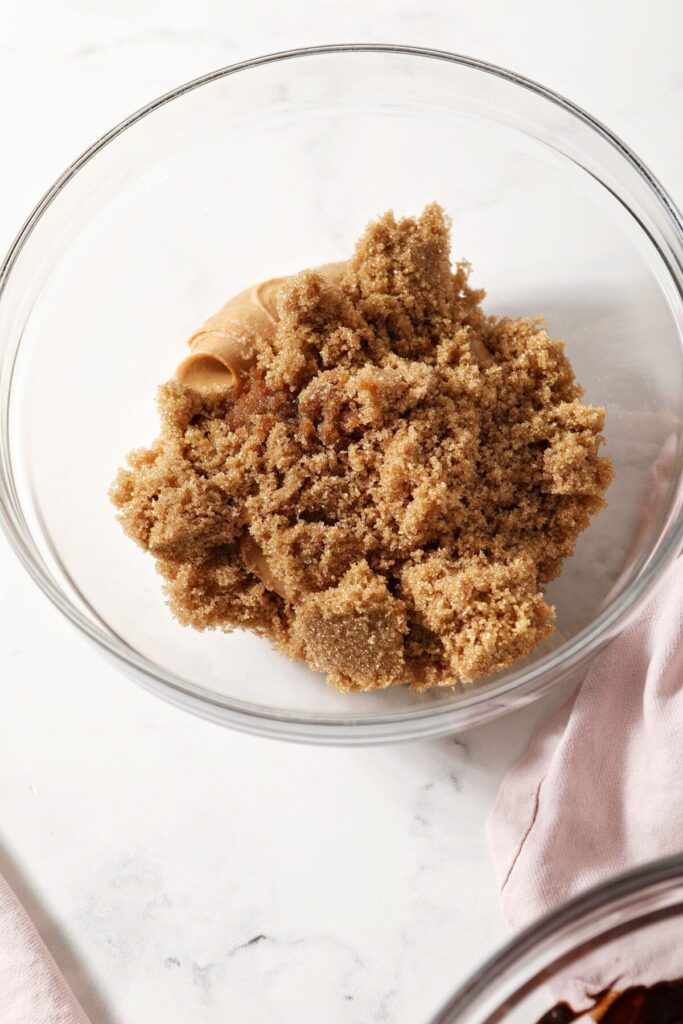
pixel 223 350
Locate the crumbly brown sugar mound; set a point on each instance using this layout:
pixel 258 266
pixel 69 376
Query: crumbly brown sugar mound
pixel 361 465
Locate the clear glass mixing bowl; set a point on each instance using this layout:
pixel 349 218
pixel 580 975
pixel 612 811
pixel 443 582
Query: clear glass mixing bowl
pixel 258 170
pixel 623 933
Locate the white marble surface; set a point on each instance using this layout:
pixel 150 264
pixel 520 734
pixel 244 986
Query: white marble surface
pixel 179 872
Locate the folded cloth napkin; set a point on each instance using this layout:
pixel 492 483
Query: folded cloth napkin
pixel 32 990
pixel 600 789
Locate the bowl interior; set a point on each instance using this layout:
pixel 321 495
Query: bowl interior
pixel 280 167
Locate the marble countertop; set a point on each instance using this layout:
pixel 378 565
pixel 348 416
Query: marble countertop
pixel 177 871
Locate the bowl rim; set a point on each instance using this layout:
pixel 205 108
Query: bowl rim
pixel 374 727
pixel 654 876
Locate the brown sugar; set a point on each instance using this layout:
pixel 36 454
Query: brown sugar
pixel 361 465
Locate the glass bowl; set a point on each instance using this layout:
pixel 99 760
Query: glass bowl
pixel 256 171
pixel 623 933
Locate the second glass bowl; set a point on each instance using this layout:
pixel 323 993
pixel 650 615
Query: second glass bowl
pixel 622 934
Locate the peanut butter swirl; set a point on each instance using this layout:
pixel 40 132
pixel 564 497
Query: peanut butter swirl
pixel 223 350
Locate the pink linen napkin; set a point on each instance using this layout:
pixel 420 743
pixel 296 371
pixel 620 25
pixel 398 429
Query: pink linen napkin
pixel 600 789
pixel 32 990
